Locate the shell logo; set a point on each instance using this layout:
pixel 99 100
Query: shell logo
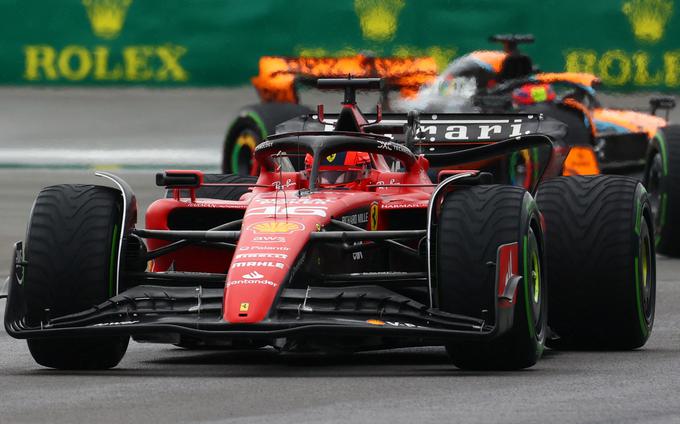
pixel 276 227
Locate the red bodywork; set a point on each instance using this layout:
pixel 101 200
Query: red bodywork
pixel 277 225
pixel 276 228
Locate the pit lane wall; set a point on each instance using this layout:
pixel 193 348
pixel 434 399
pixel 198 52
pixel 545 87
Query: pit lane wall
pixel 630 44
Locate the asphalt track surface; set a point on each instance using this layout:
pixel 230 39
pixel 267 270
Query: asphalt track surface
pixel 158 383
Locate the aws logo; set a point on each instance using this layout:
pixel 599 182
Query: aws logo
pixel 105 62
pixel 648 18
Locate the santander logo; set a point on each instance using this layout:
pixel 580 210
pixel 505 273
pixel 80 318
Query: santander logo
pixel 253 276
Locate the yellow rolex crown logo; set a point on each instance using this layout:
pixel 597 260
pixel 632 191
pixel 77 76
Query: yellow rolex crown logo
pixel 378 18
pixel 648 18
pixel 106 16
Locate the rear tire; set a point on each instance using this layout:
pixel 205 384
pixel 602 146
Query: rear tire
pixel 601 261
pixel 71 247
pixel 662 180
pixel 253 124
pixel 473 224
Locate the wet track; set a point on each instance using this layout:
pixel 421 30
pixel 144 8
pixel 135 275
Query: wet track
pixel 157 383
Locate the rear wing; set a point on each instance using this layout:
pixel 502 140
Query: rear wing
pixel 279 77
pixel 440 132
pixel 454 139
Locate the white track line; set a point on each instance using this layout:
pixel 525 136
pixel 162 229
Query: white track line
pixel 100 157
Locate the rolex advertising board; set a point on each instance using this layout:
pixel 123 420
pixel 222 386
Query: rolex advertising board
pixel 630 44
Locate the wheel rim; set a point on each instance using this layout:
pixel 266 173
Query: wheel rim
pixel 646 275
pixel 535 285
pixel 519 168
pixel 243 153
pixel 535 274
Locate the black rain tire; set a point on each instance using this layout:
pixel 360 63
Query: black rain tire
pixel 474 222
pixel 253 124
pixel 70 250
pixel 662 180
pixel 222 193
pixel 599 238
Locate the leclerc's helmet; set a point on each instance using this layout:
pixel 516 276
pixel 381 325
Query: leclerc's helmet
pixel 340 169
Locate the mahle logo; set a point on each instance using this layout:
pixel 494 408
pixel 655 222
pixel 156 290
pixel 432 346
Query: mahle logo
pixel 648 18
pixel 107 16
pixel 102 62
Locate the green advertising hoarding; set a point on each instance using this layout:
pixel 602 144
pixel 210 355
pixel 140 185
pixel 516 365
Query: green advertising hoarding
pixel 630 44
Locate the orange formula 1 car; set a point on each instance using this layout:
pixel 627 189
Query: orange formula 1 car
pixel 599 139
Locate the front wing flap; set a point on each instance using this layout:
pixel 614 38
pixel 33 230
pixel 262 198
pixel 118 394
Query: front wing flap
pixel 366 310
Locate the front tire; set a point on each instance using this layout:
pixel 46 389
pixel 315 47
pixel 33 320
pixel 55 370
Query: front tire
pixel 601 260
pixel 71 249
pixel 474 223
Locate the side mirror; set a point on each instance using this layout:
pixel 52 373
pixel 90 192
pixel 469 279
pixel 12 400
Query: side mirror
pixel 180 179
pixel 664 103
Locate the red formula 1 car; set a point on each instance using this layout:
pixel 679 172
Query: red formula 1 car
pixel 357 250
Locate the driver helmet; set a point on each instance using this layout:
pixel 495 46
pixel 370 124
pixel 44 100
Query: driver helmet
pixel 530 94
pixel 341 168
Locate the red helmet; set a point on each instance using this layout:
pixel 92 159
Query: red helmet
pixel 529 94
pixel 340 169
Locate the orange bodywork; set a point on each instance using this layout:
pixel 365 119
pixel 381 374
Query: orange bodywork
pixel 633 121
pixel 575 104
pixel 588 80
pixel 276 80
pixel 493 58
pixel 581 160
